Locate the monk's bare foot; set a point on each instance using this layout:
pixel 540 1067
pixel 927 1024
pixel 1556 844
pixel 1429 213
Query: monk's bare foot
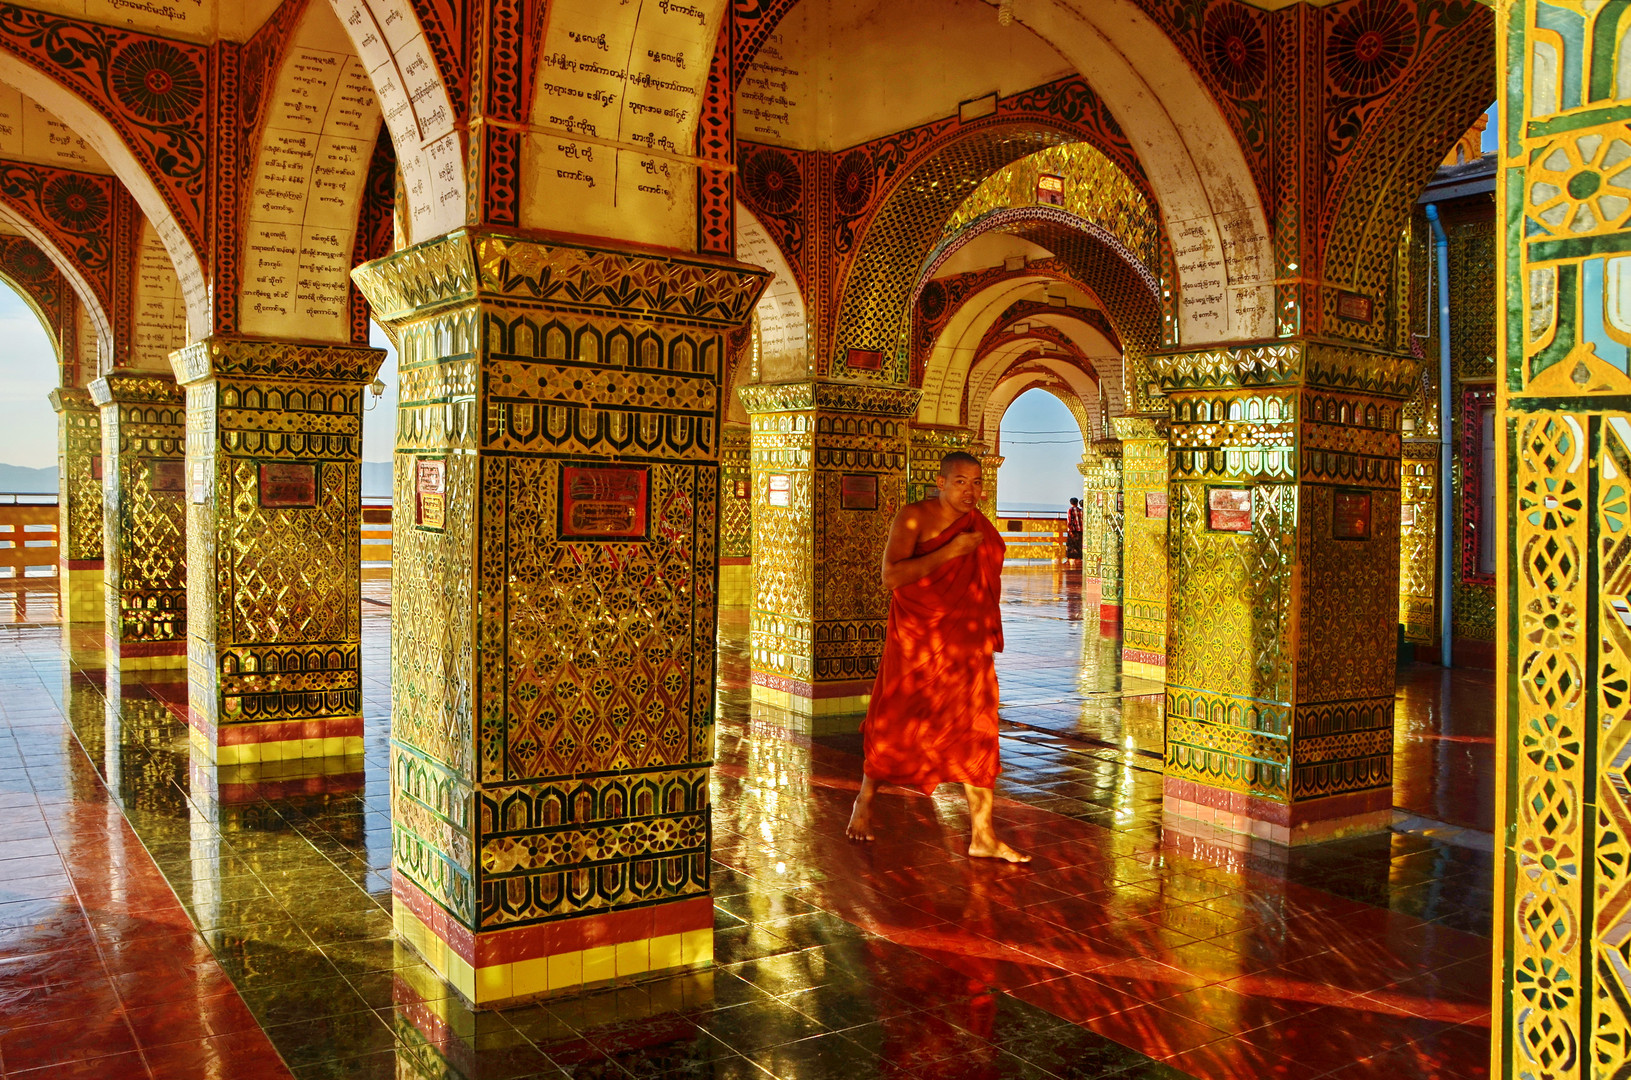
pixel 860 820
pixel 996 850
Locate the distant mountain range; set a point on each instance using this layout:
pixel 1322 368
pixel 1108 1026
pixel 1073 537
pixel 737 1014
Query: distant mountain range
pixel 21 480
pixel 376 480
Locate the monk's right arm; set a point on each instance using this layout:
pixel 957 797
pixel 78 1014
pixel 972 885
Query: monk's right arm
pixel 900 568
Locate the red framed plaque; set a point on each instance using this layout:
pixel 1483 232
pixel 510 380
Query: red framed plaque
pixel 1350 515
pixel 603 502
pixel 864 359
pixel 1354 307
pixel 430 493
pixel 1229 509
pixel 288 485
pixel 1155 504
pixel 858 491
pixel 1050 190
pixel 779 489
pixel 167 474
pixel 96 466
pixel 741 489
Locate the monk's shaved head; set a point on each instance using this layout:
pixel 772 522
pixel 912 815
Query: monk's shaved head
pixel 956 458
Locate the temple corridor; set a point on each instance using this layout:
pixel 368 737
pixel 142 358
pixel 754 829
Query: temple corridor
pixel 161 915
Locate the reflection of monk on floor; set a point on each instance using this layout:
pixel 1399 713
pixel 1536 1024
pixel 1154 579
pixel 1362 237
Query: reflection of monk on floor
pixel 933 716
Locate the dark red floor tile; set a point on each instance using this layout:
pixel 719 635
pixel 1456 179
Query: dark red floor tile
pixel 1153 1031
pixel 127 1066
pixel 1233 1059
pixel 38 1045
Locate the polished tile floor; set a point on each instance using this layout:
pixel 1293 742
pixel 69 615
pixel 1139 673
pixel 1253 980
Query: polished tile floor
pixel 160 917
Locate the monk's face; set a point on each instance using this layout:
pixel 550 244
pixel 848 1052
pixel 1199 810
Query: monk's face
pixel 960 489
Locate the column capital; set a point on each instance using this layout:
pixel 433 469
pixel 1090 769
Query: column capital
pixel 1138 427
pixel 826 395
pixel 71 399
pixel 131 387
pixel 261 358
pixel 1287 362
pixel 476 264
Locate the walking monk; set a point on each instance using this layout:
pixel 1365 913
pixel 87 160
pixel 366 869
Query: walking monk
pixel 933 716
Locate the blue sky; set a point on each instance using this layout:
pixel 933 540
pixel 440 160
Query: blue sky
pixel 1041 447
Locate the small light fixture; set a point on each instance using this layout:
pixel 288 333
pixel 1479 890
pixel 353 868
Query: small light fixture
pixel 376 388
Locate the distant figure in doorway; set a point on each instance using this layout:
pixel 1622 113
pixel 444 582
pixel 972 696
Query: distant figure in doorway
pixel 1073 534
pixel 933 716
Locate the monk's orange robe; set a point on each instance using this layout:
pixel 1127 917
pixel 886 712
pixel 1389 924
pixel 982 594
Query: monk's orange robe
pixel 933 716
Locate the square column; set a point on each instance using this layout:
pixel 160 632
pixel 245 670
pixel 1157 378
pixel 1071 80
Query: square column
pixel 829 473
pixel 144 539
pixel 555 548
pixel 1108 495
pixel 927 445
pixel 274 497
pixel 735 517
pixel 79 505
pixel 1144 545
pixel 1285 576
pixel 1092 517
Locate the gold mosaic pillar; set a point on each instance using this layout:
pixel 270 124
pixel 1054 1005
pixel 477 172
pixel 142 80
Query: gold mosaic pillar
pixel 274 585
pixel 1284 555
pixel 735 517
pixel 829 473
pixel 553 607
pixel 1111 500
pixel 1144 545
pixel 1563 427
pixel 144 539
pixel 79 505
pixel 989 464
pixel 1092 517
pixel 1418 541
pixel 927 445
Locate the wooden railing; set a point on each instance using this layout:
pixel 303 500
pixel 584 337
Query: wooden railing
pixel 28 536
pixel 376 532
pixel 1032 539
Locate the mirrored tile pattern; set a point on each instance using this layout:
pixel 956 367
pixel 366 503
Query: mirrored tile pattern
pixel 163 917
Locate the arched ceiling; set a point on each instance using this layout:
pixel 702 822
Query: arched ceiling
pixel 28 132
pixel 836 73
pixel 187 20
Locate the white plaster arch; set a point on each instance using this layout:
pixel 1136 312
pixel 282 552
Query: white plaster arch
pixel 1209 202
pixel 158 315
pixel 984 395
pixel 430 151
pixel 784 327
pixel 1008 390
pixel 307 188
pixel 90 125
pixel 89 304
pixel 953 350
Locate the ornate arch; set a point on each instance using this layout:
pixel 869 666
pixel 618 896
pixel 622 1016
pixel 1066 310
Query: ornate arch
pixel 423 110
pixel 1036 376
pixel 300 222
pixel 781 316
pixel 140 102
pixel 1068 364
pixel 1388 141
pixel 1098 268
pixel 31 275
pixel 893 197
pixel 86 224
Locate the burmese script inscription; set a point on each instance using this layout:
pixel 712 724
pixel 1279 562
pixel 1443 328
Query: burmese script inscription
pixel 619 89
pixel 313 163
